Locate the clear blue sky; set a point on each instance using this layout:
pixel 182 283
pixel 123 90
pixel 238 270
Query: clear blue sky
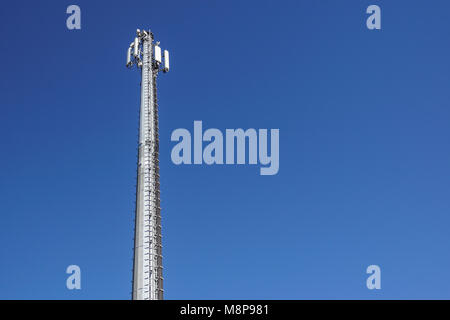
pixel 364 148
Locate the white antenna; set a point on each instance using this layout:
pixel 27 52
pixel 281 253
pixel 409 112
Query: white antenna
pixel 166 61
pixel 158 54
pixel 129 57
pixel 136 46
pixel 147 264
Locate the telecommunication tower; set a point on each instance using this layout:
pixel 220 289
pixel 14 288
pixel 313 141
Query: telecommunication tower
pixel 147 263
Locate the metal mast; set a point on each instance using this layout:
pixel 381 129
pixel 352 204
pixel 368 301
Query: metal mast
pixel 147 264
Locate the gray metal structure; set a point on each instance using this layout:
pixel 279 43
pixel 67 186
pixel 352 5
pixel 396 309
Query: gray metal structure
pixel 147 263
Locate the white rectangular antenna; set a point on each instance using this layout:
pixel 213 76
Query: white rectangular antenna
pixel 166 61
pixel 158 54
pixel 136 47
pixel 129 56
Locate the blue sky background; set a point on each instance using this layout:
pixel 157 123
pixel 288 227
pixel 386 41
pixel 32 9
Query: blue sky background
pixel 364 148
